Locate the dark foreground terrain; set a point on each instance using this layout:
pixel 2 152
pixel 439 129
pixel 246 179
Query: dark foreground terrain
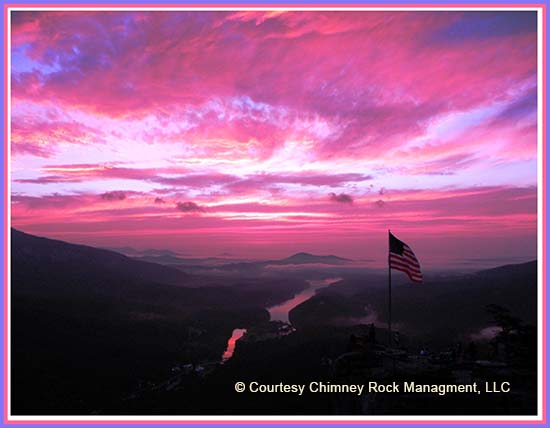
pixel 97 332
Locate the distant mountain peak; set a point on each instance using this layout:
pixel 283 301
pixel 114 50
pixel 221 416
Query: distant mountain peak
pixel 308 258
pixel 132 252
pixel 302 254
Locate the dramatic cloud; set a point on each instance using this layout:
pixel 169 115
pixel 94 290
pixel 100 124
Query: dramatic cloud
pixel 269 121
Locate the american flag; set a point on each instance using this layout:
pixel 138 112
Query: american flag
pixel 402 258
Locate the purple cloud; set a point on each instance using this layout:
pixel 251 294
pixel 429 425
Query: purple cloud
pixel 189 207
pixel 342 198
pixel 114 196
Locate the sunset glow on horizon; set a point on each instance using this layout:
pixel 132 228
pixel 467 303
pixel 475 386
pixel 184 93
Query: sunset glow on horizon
pixel 264 133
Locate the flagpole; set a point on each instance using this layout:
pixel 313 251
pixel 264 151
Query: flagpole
pixel 389 293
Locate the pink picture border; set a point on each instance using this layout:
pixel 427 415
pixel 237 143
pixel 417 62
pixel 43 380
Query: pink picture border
pixel 541 6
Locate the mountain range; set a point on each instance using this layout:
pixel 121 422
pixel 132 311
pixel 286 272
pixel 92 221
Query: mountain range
pixel 91 325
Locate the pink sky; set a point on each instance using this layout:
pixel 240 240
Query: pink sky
pixel 261 134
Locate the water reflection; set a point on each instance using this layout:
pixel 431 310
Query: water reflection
pixel 236 335
pixel 280 312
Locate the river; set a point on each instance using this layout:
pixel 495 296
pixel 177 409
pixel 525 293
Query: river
pixel 236 335
pixel 280 312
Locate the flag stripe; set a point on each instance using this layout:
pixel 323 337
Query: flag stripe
pixel 406 257
pixel 401 265
pixel 409 255
pixel 412 258
pixel 399 261
pixel 411 276
pixel 406 269
pixel 412 262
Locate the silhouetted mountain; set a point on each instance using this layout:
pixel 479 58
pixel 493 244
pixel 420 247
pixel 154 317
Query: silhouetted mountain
pixel 93 328
pixel 56 269
pixel 511 271
pixel 166 259
pixel 296 259
pixel 89 325
pixel 208 264
pixel 457 304
pixel 132 252
pixel 49 258
pixel 306 258
pixel 170 260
